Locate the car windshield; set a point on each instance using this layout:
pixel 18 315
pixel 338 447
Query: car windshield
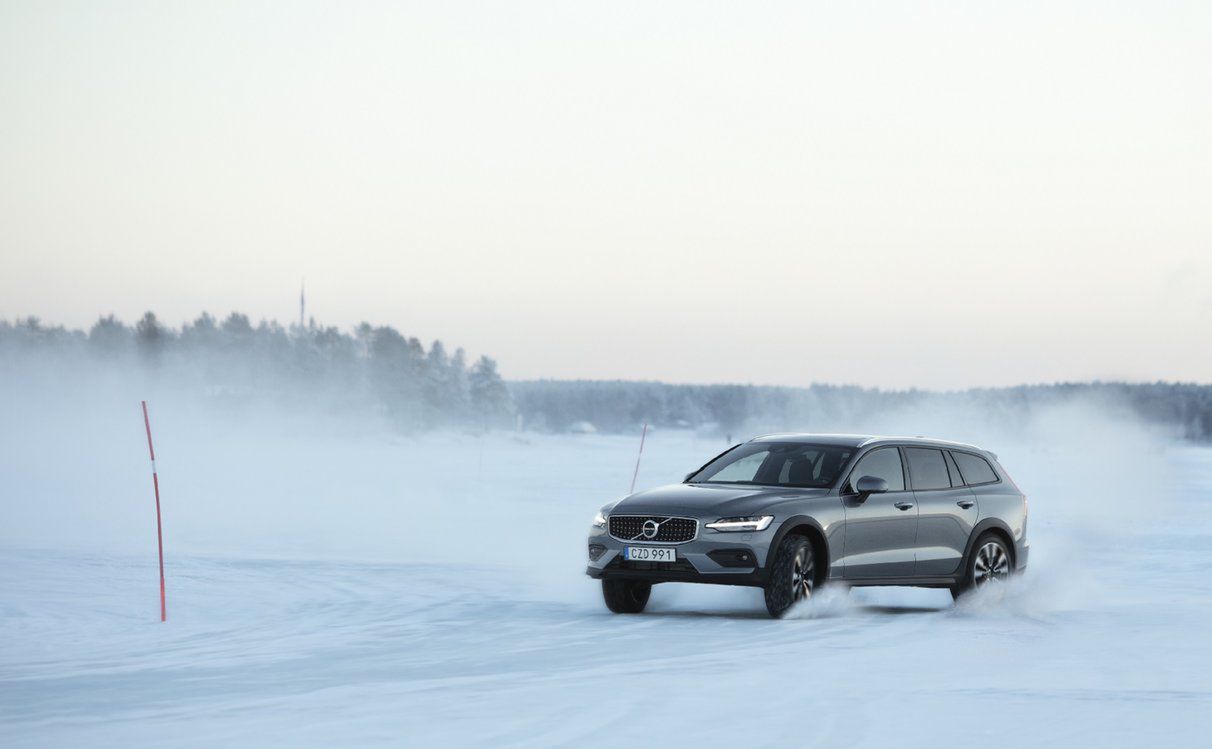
pixel 776 464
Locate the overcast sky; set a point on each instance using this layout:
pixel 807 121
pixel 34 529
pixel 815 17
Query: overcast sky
pixel 896 194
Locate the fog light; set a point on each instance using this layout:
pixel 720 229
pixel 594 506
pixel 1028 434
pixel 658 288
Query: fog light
pixel 596 551
pixel 733 558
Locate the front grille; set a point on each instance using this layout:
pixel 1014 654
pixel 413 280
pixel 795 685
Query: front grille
pixel 668 530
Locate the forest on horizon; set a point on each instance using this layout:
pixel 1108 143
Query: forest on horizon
pixel 414 387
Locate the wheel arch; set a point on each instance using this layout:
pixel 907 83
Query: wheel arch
pixel 802 525
pixel 990 525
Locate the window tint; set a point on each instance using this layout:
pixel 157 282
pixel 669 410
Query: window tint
pixel 927 468
pixel 885 464
pixel 976 469
pixel 777 464
pixel 956 478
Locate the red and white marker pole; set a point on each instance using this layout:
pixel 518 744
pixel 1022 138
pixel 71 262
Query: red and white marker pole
pixel 159 533
pixel 643 434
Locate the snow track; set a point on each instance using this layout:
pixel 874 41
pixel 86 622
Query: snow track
pixel 1101 644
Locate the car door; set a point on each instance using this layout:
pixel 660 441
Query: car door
pixel 946 511
pixel 880 528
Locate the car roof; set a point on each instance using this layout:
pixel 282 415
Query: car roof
pixel 861 440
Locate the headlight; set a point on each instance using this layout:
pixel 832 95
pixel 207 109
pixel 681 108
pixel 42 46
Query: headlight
pixel 599 520
pixel 756 523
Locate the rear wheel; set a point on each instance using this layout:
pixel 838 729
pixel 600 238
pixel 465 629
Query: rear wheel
pixel 792 575
pixel 989 563
pixel 626 596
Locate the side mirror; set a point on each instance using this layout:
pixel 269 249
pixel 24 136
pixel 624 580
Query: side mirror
pixel 868 485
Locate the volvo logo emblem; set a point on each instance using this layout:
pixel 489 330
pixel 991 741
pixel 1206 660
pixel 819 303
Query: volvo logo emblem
pixel 650 529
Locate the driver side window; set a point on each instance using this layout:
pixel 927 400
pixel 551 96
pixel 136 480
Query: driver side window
pixel 884 463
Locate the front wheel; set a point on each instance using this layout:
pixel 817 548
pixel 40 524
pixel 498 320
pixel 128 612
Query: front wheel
pixel 792 575
pixel 626 596
pixel 990 562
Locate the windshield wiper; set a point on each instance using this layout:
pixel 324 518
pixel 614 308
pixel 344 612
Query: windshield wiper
pixel 759 483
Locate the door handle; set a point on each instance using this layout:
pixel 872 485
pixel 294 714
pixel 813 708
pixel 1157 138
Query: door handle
pixel 965 503
pixel 903 505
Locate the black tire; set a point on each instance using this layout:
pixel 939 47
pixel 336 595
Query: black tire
pixel 626 596
pixel 991 559
pixel 792 575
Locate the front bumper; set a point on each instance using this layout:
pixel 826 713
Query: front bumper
pixel 711 557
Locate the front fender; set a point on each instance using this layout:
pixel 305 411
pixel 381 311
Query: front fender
pixel 832 538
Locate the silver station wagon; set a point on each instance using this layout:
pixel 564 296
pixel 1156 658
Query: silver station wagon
pixel 790 512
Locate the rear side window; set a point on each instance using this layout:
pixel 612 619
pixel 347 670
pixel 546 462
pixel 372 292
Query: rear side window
pixel 884 463
pixel 927 468
pixel 976 470
pixel 956 478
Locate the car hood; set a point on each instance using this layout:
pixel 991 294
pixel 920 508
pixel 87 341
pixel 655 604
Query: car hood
pixel 721 500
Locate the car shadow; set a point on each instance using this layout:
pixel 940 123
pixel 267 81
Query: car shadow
pixel 759 614
pixel 902 609
pixel 721 614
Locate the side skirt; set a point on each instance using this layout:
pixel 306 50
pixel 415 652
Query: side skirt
pixel 916 582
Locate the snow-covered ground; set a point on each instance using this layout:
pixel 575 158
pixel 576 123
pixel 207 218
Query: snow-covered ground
pixel 352 589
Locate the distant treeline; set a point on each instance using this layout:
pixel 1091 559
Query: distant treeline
pixel 232 361
pixel 615 406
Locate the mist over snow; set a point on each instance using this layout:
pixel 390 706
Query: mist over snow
pixel 335 577
pixel 373 373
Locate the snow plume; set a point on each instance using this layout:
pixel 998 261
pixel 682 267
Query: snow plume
pixel 1097 478
pixel 1095 475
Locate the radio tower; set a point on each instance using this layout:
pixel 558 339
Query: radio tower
pixel 302 307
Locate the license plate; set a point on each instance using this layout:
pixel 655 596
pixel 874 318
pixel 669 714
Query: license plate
pixel 650 554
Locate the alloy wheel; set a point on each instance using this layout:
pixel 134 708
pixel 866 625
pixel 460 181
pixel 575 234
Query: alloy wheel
pixel 801 575
pixel 991 563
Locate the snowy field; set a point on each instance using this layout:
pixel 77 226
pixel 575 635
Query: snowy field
pixel 357 589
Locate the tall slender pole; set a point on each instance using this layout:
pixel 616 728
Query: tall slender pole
pixel 151 451
pixel 643 434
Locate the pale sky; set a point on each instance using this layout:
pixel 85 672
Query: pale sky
pixel 897 194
